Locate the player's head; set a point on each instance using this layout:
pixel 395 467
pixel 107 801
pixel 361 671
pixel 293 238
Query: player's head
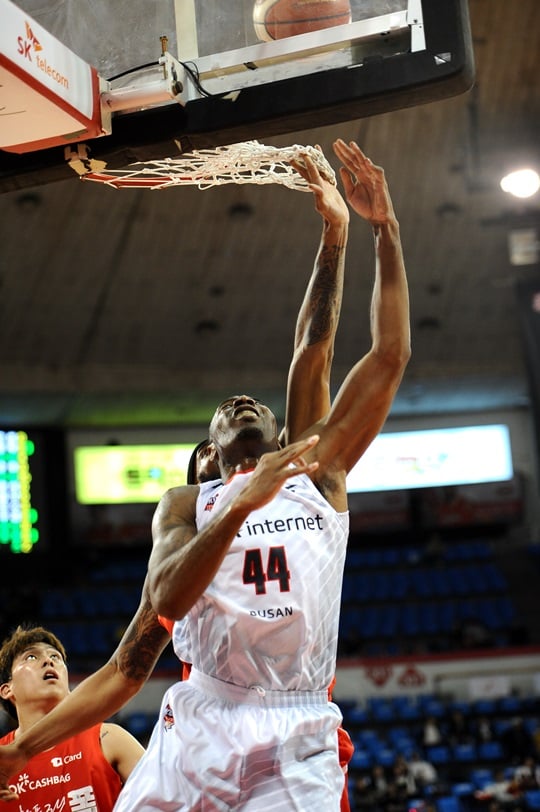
pixel 32 665
pixel 202 466
pixel 242 417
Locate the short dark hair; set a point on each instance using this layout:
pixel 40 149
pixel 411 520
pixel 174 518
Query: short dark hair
pixel 18 641
pixel 192 464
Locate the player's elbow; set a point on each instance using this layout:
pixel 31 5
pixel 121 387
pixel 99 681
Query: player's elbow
pixel 170 602
pixel 395 356
pixel 163 602
pixel 398 351
pixel 313 361
pixel 405 353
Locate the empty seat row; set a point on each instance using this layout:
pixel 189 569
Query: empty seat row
pixel 90 602
pixel 454 551
pixel 424 582
pixel 370 622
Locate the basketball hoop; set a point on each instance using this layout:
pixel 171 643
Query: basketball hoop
pixel 247 162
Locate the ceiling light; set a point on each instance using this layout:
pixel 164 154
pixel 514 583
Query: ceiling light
pixel 521 183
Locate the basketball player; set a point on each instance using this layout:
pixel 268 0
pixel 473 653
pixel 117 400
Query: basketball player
pixel 86 771
pixel 252 728
pixel 376 377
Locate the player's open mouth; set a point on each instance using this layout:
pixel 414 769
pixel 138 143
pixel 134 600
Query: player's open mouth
pixel 245 407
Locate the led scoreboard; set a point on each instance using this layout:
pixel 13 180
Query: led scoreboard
pixel 19 518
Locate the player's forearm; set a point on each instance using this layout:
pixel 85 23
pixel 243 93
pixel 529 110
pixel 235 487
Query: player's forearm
pixel 390 324
pixel 319 314
pixel 308 386
pixel 178 579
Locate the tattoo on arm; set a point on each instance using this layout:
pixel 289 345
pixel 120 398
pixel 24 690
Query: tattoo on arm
pixel 324 297
pixel 143 643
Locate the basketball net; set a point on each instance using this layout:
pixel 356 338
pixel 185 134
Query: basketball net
pixel 247 162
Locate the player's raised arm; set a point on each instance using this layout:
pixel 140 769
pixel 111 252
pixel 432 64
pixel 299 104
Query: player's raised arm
pixel 308 387
pixel 365 397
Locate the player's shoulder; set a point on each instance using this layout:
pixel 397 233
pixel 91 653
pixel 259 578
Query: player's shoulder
pixel 180 493
pixel 178 502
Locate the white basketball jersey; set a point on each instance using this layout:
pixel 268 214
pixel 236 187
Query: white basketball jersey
pixel 270 616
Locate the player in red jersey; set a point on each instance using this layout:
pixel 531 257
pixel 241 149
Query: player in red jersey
pixel 87 770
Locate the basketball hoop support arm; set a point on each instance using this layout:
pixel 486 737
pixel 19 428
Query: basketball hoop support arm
pixel 167 87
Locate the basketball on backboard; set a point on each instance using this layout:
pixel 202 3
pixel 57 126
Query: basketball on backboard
pixel 276 19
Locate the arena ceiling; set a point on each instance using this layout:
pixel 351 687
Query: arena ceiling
pixel 144 308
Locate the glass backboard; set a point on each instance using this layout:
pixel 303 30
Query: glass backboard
pixel 178 75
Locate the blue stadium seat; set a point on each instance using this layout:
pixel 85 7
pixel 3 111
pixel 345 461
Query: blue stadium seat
pixel 361 760
pixel 391 557
pixel 433 707
pixel 357 715
pixel 410 710
pixel 532 799
pixel 368 738
pixel 510 704
pixel 438 754
pixel 138 723
pixel 465 752
pixel 389 621
pixel 462 705
pixel 384 756
pixel 462 789
pixel 354 559
pixel 485 707
pixel 481 776
pixel 449 803
pixel 490 751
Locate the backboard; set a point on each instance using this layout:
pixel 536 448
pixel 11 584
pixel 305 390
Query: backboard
pixel 164 77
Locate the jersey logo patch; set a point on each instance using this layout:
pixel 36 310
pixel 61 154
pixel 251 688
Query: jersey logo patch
pixel 211 502
pixel 168 718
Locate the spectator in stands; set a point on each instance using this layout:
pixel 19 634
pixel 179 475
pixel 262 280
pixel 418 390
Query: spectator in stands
pixel 536 740
pixel 350 642
pixel 472 633
pixel 483 730
pixel 372 791
pixel 33 681
pixel 528 774
pixel 403 782
pixel 434 549
pixel 422 770
pixel 505 791
pixel 458 728
pixel 518 742
pixel 431 733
